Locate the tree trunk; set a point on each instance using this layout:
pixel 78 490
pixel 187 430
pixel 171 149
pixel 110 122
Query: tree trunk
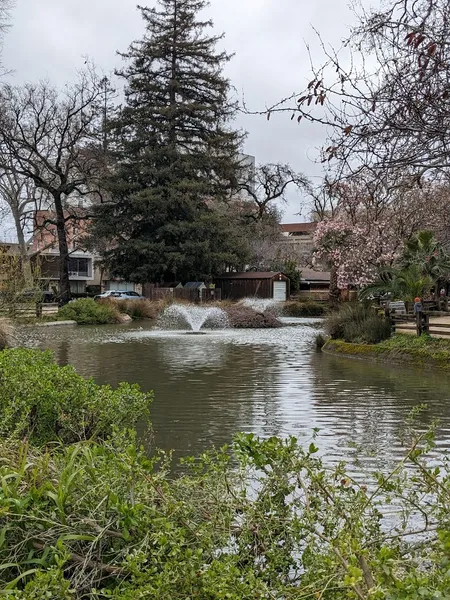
pixel 334 290
pixel 24 256
pixel 64 284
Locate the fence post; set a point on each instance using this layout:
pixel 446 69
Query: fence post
pixel 392 322
pixel 419 324
pixel 426 323
pixel 38 310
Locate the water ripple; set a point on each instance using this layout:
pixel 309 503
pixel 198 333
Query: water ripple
pixel 270 382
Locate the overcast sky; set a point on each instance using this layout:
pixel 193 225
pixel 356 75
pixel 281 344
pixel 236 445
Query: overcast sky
pixel 50 38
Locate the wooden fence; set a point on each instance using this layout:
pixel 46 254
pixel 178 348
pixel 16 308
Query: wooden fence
pixel 188 295
pixel 30 310
pixel 434 323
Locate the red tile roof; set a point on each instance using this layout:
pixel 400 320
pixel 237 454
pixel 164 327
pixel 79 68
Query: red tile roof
pixel 298 227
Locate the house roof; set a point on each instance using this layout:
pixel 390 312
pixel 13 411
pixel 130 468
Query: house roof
pixel 310 275
pixel 298 227
pixel 194 285
pixel 171 284
pixel 251 275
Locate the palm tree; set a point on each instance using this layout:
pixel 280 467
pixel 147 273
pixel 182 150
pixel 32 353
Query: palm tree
pixel 402 284
pixel 424 250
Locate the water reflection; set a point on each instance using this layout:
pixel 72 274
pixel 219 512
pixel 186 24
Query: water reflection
pixel 270 382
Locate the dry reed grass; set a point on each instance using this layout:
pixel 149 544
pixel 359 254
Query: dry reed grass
pixel 6 334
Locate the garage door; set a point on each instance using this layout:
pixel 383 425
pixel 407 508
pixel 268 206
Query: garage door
pixel 279 291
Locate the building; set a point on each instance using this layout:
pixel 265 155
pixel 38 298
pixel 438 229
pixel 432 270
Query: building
pixel 300 234
pixel 254 284
pixel 300 238
pixel 248 163
pixel 84 265
pixel 82 271
pixel 315 284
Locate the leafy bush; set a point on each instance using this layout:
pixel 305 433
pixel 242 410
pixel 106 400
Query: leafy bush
pixel 104 521
pixel 307 308
pixel 356 322
pixel 45 402
pixel 86 311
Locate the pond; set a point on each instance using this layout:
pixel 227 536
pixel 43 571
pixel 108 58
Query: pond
pixel 270 382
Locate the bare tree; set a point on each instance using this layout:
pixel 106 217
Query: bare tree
pixel 268 188
pixel 5 7
pixel 46 137
pixel 324 201
pixel 20 197
pixel 385 95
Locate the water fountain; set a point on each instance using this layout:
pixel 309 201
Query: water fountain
pixel 259 304
pixel 196 316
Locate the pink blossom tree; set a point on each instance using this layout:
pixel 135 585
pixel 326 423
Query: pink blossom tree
pixel 370 225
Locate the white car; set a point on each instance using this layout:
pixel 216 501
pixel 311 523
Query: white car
pixel 119 295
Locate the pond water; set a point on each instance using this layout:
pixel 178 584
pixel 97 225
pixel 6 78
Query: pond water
pixel 270 382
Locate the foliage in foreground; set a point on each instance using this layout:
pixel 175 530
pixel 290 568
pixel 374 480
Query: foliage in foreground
pixel 86 311
pixel 104 521
pixel 44 402
pixel 356 322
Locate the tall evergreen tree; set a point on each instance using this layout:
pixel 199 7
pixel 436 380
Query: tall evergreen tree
pixel 177 152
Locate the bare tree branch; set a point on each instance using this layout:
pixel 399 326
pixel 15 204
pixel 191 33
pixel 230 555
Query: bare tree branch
pixel 48 138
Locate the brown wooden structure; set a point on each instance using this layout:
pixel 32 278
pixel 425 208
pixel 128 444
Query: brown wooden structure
pixel 196 296
pixel 430 322
pixel 257 284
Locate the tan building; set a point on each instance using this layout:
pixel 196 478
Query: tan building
pixel 300 234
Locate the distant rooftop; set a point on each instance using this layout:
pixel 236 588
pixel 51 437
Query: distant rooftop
pixel 298 227
pixel 251 275
pixel 194 285
pixel 310 275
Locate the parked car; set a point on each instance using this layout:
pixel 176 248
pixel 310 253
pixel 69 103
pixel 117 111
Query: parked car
pixel 119 295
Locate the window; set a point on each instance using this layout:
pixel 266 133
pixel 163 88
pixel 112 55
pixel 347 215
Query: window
pixel 79 267
pixel 131 293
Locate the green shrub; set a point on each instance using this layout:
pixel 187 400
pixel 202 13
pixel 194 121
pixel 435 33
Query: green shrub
pixel 45 402
pixel 97 521
pixel 307 308
pixel 45 585
pixel 356 322
pixel 87 311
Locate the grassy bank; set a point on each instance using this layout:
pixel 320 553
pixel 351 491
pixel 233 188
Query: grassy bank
pixel 421 351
